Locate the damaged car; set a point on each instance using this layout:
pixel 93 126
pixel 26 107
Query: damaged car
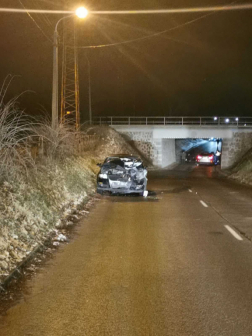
pixel 122 174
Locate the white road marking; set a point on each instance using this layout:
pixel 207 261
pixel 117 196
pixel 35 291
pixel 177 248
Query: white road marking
pixel 233 232
pixel 189 190
pixel 204 204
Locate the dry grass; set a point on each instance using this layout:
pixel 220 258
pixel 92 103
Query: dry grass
pixel 15 129
pixel 58 143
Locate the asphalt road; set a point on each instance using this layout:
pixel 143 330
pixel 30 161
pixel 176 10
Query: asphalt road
pixel 166 265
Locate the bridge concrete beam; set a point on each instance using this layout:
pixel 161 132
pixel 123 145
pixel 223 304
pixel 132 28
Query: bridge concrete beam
pixel 184 132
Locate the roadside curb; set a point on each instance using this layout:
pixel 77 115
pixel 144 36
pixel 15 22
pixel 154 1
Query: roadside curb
pixel 225 173
pixel 17 272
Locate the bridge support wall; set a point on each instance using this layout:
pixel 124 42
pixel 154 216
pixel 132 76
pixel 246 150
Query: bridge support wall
pixel 168 152
pixel 160 151
pixel 150 148
pixel 233 149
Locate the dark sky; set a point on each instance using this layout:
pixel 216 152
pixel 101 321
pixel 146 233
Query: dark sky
pixel 202 68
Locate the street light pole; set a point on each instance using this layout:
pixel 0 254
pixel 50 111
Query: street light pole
pixel 81 13
pixel 55 87
pixel 89 91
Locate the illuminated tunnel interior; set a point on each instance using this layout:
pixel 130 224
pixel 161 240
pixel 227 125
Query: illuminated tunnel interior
pixel 193 147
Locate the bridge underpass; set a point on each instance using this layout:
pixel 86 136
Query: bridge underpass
pixel 194 147
pixel 157 142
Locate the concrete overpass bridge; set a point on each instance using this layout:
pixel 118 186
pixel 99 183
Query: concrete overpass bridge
pixel 155 136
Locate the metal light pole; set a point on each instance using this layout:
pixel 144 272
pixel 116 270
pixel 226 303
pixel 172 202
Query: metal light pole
pixel 89 91
pixel 55 89
pixel 81 13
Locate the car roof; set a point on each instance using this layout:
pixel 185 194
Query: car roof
pixel 124 156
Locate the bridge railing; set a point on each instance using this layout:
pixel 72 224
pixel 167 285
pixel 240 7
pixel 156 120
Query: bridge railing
pixel 175 121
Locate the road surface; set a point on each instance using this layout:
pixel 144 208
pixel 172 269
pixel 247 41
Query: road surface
pixel 171 264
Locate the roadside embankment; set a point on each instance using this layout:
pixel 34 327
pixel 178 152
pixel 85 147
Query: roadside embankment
pixel 242 172
pixel 48 195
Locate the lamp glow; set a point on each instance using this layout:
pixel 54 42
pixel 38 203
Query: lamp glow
pixel 227 120
pixel 215 118
pixel 236 119
pixel 81 12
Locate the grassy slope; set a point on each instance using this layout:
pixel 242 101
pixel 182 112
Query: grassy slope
pixel 242 172
pixel 30 208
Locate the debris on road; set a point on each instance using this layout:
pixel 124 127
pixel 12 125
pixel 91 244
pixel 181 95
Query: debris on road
pixel 61 238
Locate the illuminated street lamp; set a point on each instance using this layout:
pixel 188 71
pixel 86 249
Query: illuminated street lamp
pixel 215 118
pixel 227 120
pixel 81 13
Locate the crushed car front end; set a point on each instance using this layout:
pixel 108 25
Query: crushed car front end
pixel 122 174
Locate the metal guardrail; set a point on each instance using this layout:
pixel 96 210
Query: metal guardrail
pixel 175 121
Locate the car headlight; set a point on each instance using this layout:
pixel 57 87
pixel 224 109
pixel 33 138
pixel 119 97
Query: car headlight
pixel 103 176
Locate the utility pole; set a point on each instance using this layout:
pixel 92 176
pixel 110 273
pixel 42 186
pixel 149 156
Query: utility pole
pixel 70 98
pixel 70 92
pixel 70 73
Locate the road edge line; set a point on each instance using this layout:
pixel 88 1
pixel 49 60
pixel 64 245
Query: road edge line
pixel 233 232
pixel 204 204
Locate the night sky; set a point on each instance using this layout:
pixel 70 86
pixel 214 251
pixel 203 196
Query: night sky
pixel 202 68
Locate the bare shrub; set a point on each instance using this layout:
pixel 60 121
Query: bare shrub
pixel 60 142
pixel 15 129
